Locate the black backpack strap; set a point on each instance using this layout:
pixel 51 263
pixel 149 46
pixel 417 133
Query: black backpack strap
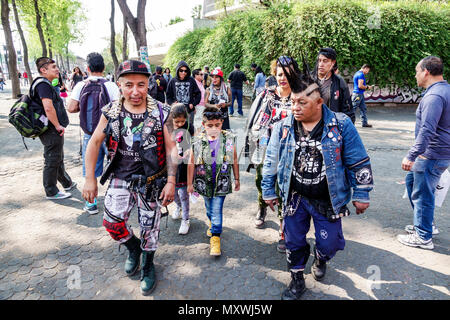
pixel 33 86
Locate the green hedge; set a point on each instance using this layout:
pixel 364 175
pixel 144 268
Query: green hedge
pixel 408 31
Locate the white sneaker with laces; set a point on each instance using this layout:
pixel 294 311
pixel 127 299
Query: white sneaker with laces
pixel 413 240
pixel 184 227
pixel 60 195
pixel 176 214
pixel 410 229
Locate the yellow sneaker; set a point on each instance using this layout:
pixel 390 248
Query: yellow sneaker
pixel 208 232
pixel 215 246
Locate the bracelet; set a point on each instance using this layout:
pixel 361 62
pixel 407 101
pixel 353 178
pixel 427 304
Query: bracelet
pixel 236 179
pixel 171 182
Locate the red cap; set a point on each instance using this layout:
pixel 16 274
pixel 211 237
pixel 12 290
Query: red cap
pixel 217 72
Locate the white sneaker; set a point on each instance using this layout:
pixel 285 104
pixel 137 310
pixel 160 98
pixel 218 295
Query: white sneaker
pixel 410 229
pixel 73 185
pixel 184 228
pixel 60 195
pixel 413 240
pixel 176 214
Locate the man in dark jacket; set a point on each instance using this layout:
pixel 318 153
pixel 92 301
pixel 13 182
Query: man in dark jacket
pixel 183 89
pixel 333 88
pixel 161 85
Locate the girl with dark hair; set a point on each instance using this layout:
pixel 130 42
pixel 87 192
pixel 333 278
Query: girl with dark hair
pixel 182 135
pixel 260 80
pixel 219 95
pixel 76 77
pixel 167 75
pixel 213 157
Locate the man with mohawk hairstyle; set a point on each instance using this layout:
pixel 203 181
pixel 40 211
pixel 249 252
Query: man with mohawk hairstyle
pixel 317 157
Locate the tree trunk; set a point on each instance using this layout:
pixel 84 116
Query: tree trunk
pixel 137 25
pixel 50 51
pixel 113 38
pixel 12 61
pixel 125 40
pixel 39 29
pixel 67 60
pixel 61 63
pixel 24 43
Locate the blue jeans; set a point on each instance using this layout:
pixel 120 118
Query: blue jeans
pixel 329 236
pixel 358 101
pixel 236 94
pixel 421 184
pixel 214 210
pixel 101 155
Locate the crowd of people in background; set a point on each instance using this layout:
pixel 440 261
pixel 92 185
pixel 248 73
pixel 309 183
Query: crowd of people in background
pixel 300 138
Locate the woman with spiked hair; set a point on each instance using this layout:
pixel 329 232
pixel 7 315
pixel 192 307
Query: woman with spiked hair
pixel 317 158
pixel 270 107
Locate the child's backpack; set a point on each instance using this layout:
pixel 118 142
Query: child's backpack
pixel 27 114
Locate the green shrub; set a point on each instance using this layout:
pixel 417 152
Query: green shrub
pixel 407 31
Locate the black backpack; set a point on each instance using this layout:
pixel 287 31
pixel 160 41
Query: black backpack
pixel 27 114
pixel 152 87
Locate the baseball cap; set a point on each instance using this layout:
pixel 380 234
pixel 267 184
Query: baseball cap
pixel 132 67
pixel 217 72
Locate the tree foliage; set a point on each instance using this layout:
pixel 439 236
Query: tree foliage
pixel 392 36
pixel 61 23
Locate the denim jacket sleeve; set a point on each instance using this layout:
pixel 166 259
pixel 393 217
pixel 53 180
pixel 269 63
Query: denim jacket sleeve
pixel 269 171
pixel 356 162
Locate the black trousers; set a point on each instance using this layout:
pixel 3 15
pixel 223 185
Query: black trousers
pixel 54 162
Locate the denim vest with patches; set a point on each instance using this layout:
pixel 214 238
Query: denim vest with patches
pixel 203 175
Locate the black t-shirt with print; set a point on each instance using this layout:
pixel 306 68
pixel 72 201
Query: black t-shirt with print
pixel 309 175
pixel 129 160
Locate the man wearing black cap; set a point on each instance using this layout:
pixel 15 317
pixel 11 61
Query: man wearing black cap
pixel 161 85
pixel 140 152
pixel 333 88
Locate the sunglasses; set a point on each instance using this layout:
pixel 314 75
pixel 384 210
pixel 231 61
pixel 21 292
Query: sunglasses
pixel 183 70
pixel 285 60
pixel 45 62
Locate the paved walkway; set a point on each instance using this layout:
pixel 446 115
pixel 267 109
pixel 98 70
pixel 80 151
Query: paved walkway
pixel 54 250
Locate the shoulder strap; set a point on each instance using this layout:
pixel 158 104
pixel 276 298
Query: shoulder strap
pixel 35 83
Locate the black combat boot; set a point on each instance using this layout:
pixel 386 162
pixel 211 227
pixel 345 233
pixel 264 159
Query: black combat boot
pixel 319 267
pixel 148 277
pixel 132 263
pixel 260 217
pixel 296 288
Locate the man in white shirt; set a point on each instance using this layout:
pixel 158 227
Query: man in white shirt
pixel 89 97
